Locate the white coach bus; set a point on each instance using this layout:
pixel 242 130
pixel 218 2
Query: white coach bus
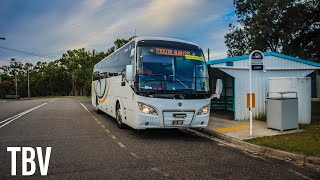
pixel 154 82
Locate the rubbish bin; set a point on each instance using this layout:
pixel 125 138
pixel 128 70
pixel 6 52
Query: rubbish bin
pixel 282 110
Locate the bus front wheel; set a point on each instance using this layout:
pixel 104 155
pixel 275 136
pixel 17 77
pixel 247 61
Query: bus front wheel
pixel 97 107
pixel 119 117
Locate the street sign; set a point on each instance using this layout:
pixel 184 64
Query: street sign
pixel 256 60
pixel 256 67
pixel 255 64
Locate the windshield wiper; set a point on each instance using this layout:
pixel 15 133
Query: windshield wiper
pixel 180 82
pixel 183 84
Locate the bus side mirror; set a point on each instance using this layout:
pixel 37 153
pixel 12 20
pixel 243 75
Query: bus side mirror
pixel 129 73
pixel 219 87
pixel 132 53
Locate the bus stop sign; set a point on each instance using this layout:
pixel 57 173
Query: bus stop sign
pixel 256 61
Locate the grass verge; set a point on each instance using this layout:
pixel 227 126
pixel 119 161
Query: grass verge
pixel 305 143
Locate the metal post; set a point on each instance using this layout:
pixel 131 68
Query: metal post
pixel 208 54
pixel 2 38
pixel 28 84
pixel 255 63
pixel 16 85
pixel 13 60
pixel 250 97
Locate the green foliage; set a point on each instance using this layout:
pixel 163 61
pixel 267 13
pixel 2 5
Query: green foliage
pixel 286 26
pixel 315 112
pixel 69 75
pixel 305 143
pixel 6 87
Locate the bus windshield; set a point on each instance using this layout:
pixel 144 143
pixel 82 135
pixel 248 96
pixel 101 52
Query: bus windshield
pixel 161 69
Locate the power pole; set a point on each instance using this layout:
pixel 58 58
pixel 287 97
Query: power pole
pixel 13 60
pixel 28 84
pixel 0 74
pixel 2 38
pixel 16 84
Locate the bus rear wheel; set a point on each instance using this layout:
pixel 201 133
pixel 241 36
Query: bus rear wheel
pixel 119 117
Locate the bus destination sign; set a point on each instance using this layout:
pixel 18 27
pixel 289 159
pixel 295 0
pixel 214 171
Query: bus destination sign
pixel 171 52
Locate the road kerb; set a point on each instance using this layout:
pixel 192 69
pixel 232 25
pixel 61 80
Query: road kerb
pixel 266 151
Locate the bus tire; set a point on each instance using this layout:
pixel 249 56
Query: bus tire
pixel 98 111
pixel 97 107
pixel 119 116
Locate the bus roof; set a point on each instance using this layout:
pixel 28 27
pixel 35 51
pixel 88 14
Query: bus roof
pixel 149 38
pixel 163 39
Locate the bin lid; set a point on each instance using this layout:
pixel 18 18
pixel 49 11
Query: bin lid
pixel 282 95
pixel 281 98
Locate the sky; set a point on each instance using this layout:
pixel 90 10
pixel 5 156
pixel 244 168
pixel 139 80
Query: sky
pixel 46 29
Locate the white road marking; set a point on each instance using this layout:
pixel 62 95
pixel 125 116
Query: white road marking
pixel 20 114
pixel 299 174
pixel 158 171
pixel 135 155
pixel 121 145
pixel 2 101
pixel 52 100
pixel 154 169
pixel 107 130
pixel 13 118
pixel 83 106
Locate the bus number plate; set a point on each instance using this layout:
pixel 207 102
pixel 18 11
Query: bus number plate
pixel 177 122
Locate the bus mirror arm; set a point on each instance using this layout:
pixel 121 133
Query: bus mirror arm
pixel 215 96
pixel 219 87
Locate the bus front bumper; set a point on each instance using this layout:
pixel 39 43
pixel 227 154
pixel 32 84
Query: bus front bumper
pixel 146 121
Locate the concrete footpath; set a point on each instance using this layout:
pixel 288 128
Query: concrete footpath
pixel 240 129
pixel 234 132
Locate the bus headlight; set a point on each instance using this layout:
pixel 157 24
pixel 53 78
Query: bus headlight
pixel 204 110
pixel 147 109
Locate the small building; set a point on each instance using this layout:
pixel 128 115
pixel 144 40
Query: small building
pixel 234 73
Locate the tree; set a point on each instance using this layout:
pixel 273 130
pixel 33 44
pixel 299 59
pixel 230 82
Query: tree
pixel 286 26
pixel 6 87
pixel 69 75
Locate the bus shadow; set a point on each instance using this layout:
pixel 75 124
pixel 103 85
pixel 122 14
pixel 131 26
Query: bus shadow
pixel 180 134
pixel 168 135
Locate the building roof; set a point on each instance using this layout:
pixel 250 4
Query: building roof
pixel 238 58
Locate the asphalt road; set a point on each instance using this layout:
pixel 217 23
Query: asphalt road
pixel 86 145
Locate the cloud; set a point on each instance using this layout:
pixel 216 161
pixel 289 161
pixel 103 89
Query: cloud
pixel 218 47
pixel 95 24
